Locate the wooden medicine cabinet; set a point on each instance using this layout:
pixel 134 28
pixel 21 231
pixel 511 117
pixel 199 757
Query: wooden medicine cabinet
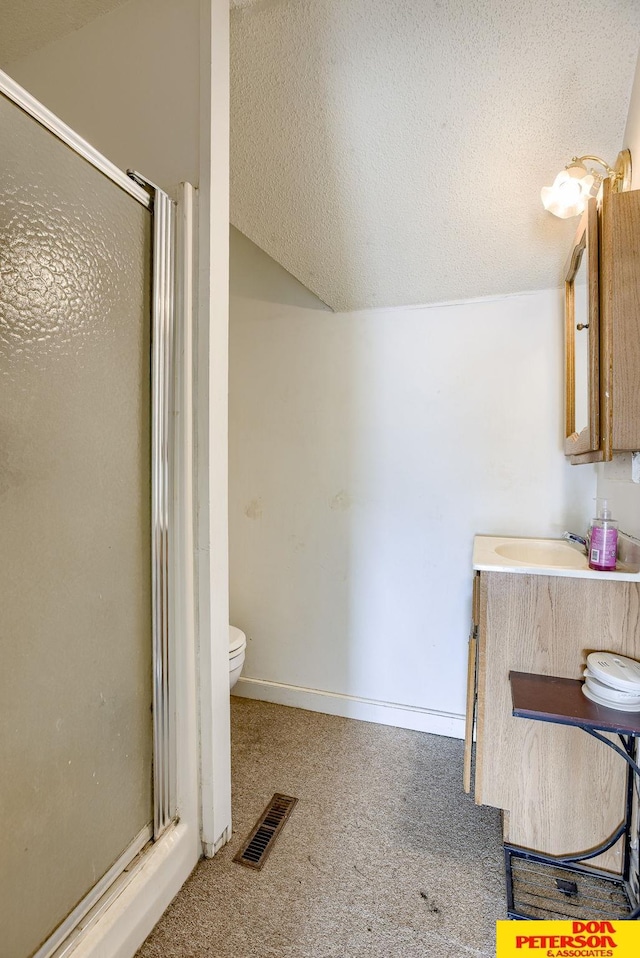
pixel 602 330
pixel 582 347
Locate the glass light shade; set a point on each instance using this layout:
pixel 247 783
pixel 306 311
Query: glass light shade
pixel 569 193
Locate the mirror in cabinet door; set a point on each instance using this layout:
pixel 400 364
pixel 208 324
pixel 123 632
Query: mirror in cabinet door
pixel 582 347
pixel 602 329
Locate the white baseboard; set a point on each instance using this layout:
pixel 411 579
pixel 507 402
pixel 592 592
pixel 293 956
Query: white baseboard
pixel 450 724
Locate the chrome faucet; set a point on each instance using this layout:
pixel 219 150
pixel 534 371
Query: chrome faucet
pixel 579 540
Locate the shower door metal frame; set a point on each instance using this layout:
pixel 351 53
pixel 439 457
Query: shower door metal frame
pixel 162 343
pixel 162 209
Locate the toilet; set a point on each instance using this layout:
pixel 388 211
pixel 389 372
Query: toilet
pixel 237 646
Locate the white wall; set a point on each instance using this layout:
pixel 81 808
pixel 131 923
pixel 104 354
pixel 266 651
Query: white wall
pixel 614 478
pixel 366 449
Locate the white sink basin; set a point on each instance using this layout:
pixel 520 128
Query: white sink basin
pixel 543 552
pixel 551 557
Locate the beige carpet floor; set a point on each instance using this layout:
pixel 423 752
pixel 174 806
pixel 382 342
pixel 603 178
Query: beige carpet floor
pixel 382 857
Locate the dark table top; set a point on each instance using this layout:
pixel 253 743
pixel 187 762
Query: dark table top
pixel 548 698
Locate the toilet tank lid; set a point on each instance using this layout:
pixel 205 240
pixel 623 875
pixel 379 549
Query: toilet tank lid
pixel 237 639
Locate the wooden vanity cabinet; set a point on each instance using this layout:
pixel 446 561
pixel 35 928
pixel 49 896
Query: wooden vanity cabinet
pixel 613 368
pixel 561 790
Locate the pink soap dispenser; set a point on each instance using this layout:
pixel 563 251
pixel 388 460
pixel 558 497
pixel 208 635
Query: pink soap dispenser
pixel 603 546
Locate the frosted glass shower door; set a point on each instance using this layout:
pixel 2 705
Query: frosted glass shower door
pixel 76 737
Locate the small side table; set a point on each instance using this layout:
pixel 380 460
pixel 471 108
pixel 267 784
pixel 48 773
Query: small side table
pixel 556 887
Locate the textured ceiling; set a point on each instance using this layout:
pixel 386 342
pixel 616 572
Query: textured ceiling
pixel 28 25
pixel 391 153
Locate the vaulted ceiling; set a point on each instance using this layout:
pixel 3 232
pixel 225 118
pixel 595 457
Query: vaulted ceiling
pixel 391 153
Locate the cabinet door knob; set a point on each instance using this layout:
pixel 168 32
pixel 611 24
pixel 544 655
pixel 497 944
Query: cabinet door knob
pixel 582 326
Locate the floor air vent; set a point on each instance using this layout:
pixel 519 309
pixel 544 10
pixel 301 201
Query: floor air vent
pixel 259 843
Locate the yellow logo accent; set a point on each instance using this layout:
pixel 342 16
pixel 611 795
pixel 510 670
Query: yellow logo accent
pixel 568 939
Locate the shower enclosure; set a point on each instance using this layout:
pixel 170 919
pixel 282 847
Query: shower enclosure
pixel 86 313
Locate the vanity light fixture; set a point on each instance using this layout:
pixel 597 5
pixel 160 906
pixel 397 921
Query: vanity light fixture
pixel 577 182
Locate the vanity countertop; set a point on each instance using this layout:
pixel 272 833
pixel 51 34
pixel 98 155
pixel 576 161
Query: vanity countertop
pixel 541 557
